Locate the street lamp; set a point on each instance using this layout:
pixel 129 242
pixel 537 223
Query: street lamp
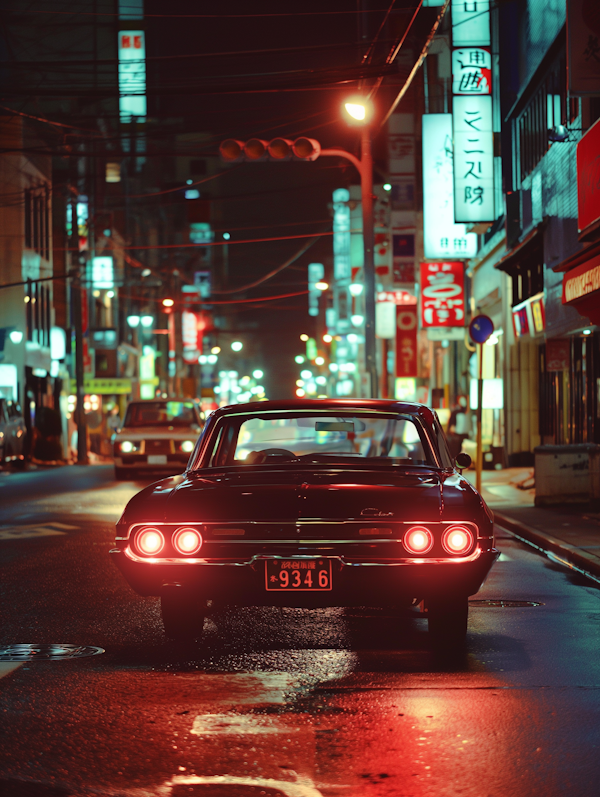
pixel 237 345
pixel 133 321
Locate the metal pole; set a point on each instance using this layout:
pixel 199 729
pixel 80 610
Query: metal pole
pixel 82 453
pixel 479 454
pixel 366 182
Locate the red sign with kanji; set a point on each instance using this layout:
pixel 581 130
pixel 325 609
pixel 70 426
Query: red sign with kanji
pixel 406 340
pixel 442 294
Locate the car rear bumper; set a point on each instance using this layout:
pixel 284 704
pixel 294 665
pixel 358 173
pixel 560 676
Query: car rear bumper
pixel 353 584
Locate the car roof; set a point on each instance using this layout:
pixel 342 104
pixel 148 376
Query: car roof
pixel 319 405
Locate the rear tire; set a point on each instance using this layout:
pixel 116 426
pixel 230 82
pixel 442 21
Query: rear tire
pixel 447 621
pixel 182 614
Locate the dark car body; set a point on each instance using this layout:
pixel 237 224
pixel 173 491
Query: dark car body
pixel 342 516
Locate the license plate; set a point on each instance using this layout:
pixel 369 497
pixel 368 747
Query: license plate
pixel 298 575
pixel 157 459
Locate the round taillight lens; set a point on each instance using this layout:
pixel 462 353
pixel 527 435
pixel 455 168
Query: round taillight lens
pixel 150 541
pixel 457 540
pixel 187 541
pixel 418 540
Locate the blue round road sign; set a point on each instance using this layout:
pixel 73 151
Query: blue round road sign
pixel 480 328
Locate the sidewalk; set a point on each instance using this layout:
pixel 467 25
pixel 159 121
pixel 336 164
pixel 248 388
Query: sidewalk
pixel 570 532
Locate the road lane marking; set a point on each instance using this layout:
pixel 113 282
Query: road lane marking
pixel 303 787
pixel 7 667
pixel 35 530
pixel 235 725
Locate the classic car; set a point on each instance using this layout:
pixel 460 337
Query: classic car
pixel 312 503
pixel 157 436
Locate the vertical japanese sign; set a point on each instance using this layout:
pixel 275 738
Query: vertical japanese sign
pixel 442 295
pixel 472 112
pixel 473 159
pixel 132 74
pixel 341 234
pixel 189 336
pixel 442 237
pixel 406 340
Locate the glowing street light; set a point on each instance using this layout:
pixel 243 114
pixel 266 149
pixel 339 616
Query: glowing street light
pixel 257 374
pixel 147 321
pixel 321 286
pixel 237 345
pixel 359 109
pixel 304 338
pixel 133 321
pixel 168 302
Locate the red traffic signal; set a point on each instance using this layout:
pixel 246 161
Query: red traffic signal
pixel 278 149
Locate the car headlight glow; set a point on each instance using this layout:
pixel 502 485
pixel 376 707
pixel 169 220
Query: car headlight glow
pixel 127 447
pixel 458 540
pixel 187 446
pixel 150 541
pixel 418 540
pixel 187 541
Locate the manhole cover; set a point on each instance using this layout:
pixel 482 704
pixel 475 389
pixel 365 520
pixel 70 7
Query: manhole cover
pixel 505 604
pixel 46 652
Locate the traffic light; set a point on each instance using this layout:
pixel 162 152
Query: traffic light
pixel 278 149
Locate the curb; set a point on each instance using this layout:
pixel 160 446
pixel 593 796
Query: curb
pixel 569 555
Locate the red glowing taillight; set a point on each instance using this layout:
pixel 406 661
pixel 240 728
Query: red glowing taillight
pixel 150 541
pixel 187 541
pixel 458 540
pixel 418 540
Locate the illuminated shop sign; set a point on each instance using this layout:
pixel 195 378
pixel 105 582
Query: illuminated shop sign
pixel 443 238
pixel 473 159
pixel 406 341
pixel 442 295
pixel 529 317
pixel 189 336
pixel 471 71
pixel 471 23
pixel 132 74
pixel 103 272
pixel 316 272
pixel 341 234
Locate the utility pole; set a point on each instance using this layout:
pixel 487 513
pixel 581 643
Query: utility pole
pixel 80 420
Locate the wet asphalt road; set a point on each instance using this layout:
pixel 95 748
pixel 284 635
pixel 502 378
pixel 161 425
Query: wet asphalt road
pixel 282 703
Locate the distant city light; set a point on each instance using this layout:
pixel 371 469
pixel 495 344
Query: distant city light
pixel 192 193
pixel 333 367
pixel 321 380
pixel 168 302
pixel 327 338
pixel 237 345
pixel 352 338
pixel 356 288
pixel 147 320
pixel 300 393
pixel 146 272
pixel 226 236
pixel 299 358
pixel 587 331
pixel 215 350
pixel 322 286
pixel 133 320
pixel 257 374
pixel 320 360
pixel 304 338
pixel 387 186
pixel 357 320
pixel 299 382
pixel 189 182
pixel 212 359
pixel 15 336
pixel 306 374
pixel 110 294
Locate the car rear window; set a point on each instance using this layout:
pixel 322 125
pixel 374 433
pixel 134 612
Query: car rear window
pixel 313 437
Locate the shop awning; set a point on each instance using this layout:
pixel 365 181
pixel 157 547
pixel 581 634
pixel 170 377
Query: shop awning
pixel 512 259
pixel 581 289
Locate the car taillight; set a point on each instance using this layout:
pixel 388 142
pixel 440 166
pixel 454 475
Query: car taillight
pixel 150 541
pixel 418 540
pixel 187 541
pixel 458 540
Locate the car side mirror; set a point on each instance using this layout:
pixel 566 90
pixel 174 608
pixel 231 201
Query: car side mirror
pixel 463 460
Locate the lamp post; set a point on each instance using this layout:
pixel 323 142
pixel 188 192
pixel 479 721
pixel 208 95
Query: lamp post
pixel 359 111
